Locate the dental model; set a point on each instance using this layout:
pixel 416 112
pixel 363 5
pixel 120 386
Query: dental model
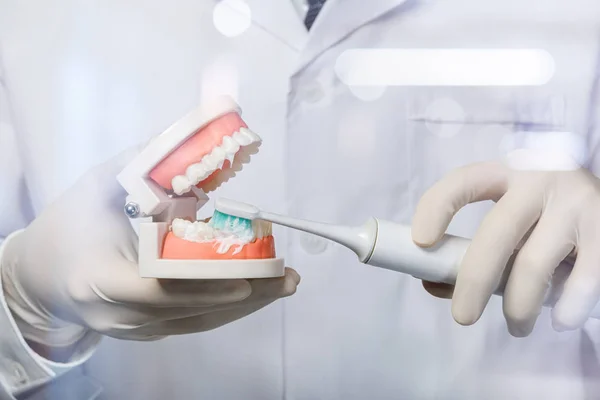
pixel 168 182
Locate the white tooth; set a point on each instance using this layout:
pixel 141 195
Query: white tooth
pixel 253 136
pixel 210 163
pixel 242 139
pixel 193 232
pixel 202 231
pixel 190 232
pixel 196 173
pixel 220 155
pixel 181 184
pixel 179 227
pixel 218 152
pixel 229 157
pixel 248 134
pixel 230 145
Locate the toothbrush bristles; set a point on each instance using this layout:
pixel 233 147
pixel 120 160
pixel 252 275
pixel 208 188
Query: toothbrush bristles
pixel 231 224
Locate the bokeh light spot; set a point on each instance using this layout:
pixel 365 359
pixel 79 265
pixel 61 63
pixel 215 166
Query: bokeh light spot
pixel 232 17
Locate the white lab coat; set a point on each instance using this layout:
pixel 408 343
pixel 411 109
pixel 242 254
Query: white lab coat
pixel 86 79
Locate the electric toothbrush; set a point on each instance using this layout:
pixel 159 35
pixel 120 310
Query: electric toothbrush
pixel 389 245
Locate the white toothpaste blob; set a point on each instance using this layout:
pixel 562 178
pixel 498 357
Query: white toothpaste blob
pixel 202 232
pixel 230 148
pixel 225 243
pixel 197 231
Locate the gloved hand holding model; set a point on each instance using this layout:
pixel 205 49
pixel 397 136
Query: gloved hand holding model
pixel 547 214
pixel 73 274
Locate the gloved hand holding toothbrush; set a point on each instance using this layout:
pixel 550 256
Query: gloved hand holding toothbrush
pixel 71 277
pixel 548 214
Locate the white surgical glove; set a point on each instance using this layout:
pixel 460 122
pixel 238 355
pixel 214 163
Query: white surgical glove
pixel 72 274
pixel 548 215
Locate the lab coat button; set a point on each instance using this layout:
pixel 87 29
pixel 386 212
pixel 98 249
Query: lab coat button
pixel 313 92
pixel 313 244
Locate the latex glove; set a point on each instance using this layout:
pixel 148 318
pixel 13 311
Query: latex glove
pixel 549 215
pixel 73 271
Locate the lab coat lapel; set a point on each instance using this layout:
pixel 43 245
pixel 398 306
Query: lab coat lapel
pixel 338 19
pixel 279 18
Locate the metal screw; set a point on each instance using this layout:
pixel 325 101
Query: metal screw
pixel 132 210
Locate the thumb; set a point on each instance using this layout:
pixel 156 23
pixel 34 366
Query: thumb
pixel 437 207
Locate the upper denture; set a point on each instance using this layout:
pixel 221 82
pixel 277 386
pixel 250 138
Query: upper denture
pixel 223 156
pixel 195 148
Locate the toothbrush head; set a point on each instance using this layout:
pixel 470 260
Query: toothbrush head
pixel 231 224
pixel 237 208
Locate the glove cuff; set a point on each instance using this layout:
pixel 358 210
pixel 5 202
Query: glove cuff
pixel 34 322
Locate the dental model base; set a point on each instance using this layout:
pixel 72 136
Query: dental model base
pixel 168 183
pixel 389 245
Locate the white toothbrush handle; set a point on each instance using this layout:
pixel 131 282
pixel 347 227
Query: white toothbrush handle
pixel 358 239
pixel 395 250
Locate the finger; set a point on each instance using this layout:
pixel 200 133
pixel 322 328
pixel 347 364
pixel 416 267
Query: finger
pixel 122 284
pixel 439 290
pixel 581 292
pixel 530 276
pixel 108 316
pixel 484 262
pixel 201 323
pixel 437 207
pixel 264 290
pixel 273 288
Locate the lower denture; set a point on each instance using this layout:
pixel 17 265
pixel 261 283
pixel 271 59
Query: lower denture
pixel 176 248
